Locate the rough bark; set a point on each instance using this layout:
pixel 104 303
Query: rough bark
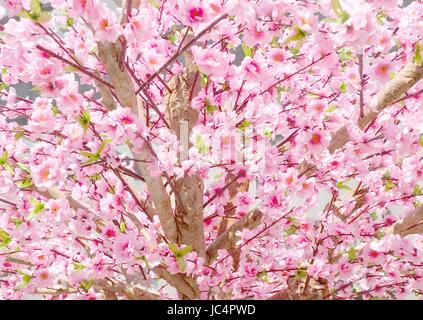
pixel 189 188
pixel 228 239
pixel 122 82
pixel 411 224
pixel 187 287
pixel 106 96
pixel 393 90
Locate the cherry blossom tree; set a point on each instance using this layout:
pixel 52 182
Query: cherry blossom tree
pixel 178 149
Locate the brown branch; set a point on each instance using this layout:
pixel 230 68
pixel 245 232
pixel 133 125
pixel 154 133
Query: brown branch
pixel 181 51
pixel 185 285
pixel 106 95
pixel 362 82
pixel 393 90
pixel 228 239
pixel 83 70
pixel 121 79
pixel 189 189
pixel 411 224
pixel 109 54
pixel 113 290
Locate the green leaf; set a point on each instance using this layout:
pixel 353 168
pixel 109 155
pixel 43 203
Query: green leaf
pixel 69 22
pixel 340 13
pixel 200 144
pixel 421 140
pixel 386 175
pixel 93 157
pixel 244 125
pixel 35 8
pixel 331 108
pixel 17 221
pixel 291 230
pixel 336 7
pixel 299 35
pixel 24 167
pixel 78 266
pixel 122 226
pixel 389 185
pixel 392 74
pixel 352 254
pixel 8 168
pixel 343 87
pixel 418 59
pixel 173 248
pixel 345 54
pixel 379 234
pixel 179 255
pixel 330 20
pixel 95 177
pixel 38 207
pixel 44 17
pixel 172 37
pixel 341 185
pixel 295 51
pixel 179 252
pixel 373 215
pixel 3 86
pixel 4 238
pixel 24 14
pixel 36 14
pixel 84 120
pixel 182 264
pixel 4 158
pixel 55 109
pixel 4 162
pixel 25 183
pixel 268 133
pixel 86 284
pixel 20 133
pixel 300 274
pixel 275 42
pixel 102 146
pixel 263 276
pixel 344 17
pixel 187 249
pixel 204 79
pixel 26 278
pixel 154 3
pixel 88 154
pixel 417 191
pixel 69 68
pixel 209 107
pixel 247 50
pixel 381 16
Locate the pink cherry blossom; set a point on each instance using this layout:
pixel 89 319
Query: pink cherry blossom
pixel 47 174
pixel 381 70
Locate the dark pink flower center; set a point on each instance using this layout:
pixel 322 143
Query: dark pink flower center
pixel 315 138
pixel 196 14
pixel 374 254
pixel 110 233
